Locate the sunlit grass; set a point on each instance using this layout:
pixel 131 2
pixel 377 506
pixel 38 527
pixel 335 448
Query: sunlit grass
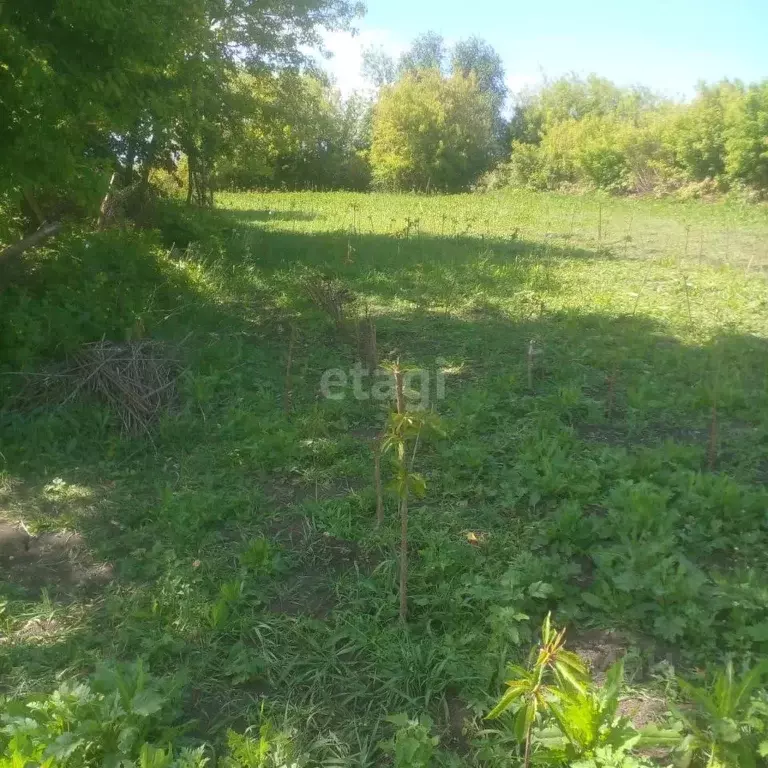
pixel 589 494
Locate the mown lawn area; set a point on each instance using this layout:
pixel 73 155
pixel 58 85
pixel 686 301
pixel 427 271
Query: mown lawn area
pixel 605 458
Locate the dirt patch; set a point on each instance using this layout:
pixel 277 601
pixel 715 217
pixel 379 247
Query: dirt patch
pixel 288 493
pixel 586 575
pixel 457 717
pixel 290 533
pixel 366 434
pixel 660 432
pixel 305 594
pixel 309 590
pixel 318 549
pixel 56 560
pixel 619 435
pixel 212 712
pixel 599 649
pixel 643 711
pixel 317 558
pixel 331 552
pixel 602 433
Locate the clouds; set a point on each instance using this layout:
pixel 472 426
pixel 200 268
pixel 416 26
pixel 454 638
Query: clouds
pixel 346 49
pixel 518 82
pixel 345 60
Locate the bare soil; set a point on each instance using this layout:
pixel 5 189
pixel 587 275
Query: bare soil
pixel 57 560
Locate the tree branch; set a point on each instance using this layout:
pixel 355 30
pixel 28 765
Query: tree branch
pixel 30 241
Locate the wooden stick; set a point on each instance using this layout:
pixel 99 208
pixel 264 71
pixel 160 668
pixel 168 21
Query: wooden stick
pixel 712 453
pixel 288 392
pixel 400 395
pixel 377 481
pixel 531 355
pixel 611 381
pixel 404 557
pixel 399 392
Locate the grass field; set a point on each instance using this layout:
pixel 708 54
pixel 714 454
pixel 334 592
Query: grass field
pixel 616 476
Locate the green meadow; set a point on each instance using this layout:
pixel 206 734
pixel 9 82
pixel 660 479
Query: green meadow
pixel 603 457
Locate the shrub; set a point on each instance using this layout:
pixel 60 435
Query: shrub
pixel 727 725
pixel 88 287
pixel 413 744
pixel 431 132
pixel 121 716
pixel 594 135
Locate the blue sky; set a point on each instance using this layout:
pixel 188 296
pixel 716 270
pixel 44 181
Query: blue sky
pixel 668 46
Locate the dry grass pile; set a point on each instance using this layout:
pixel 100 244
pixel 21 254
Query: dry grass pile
pixel 136 380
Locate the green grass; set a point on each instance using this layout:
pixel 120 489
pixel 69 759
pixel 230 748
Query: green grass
pixel 240 539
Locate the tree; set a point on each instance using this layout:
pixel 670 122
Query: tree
pixel 574 98
pixel 296 133
pixel 477 56
pixel 696 133
pixel 378 67
pixel 426 52
pixel 87 86
pixel 75 76
pixel 746 137
pixel 431 132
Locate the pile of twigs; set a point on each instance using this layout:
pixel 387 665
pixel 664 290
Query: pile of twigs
pixel 331 296
pixel 136 380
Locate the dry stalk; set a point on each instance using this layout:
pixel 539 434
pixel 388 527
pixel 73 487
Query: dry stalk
pixel 331 296
pixel 610 381
pixel 377 481
pixel 712 451
pixel 366 342
pixel 288 390
pixel 531 358
pixel 400 394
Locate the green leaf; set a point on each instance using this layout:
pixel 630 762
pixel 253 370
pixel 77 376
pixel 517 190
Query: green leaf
pixel 127 738
pixel 567 677
pixel 655 736
pixel 146 703
pixel 512 695
pixel 750 682
pixel 546 629
pixel 417 484
pixel 614 679
pixel 63 747
pixel 727 730
pixel 540 589
pixel 401 720
pixel 592 599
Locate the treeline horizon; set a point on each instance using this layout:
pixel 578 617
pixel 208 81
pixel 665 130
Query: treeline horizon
pixel 437 120
pixel 100 99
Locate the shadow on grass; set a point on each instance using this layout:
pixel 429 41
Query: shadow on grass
pixel 171 517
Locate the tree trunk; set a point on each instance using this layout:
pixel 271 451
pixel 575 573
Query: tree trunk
pixel 33 206
pixel 130 160
pixel 146 168
pixel 190 178
pixel 36 238
pixel 104 207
